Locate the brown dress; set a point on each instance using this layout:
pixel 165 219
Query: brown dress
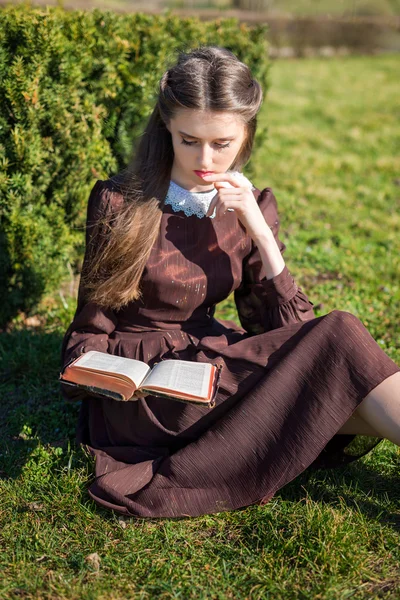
pixel 289 380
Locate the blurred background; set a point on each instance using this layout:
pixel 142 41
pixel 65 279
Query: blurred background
pixel 296 27
pixel 341 8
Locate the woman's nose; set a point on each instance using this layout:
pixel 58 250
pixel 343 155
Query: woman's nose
pixel 205 156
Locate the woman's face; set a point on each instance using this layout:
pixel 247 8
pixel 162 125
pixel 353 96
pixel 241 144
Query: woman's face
pixel 203 141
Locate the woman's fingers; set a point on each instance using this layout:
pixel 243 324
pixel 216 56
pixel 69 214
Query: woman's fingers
pixel 223 177
pixel 227 200
pixel 222 205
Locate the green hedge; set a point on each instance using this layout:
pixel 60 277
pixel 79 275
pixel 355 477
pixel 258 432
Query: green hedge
pixel 75 90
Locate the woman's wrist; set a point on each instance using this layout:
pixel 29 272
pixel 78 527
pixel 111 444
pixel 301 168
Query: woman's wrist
pixel 270 253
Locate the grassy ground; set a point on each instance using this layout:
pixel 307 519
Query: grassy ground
pixel 331 161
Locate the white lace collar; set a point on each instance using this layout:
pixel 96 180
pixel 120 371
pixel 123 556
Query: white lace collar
pixel 196 203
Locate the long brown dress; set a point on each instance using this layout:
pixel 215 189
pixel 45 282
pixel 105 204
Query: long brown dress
pixel 289 380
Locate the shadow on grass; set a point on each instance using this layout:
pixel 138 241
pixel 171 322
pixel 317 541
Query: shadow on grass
pixel 32 410
pixel 359 486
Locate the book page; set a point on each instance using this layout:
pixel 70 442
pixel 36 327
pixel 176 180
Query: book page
pixel 187 377
pixel 136 370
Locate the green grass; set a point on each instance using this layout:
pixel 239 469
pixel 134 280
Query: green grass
pixel 331 161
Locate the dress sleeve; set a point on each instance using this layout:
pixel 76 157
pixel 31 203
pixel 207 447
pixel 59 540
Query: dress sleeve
pixel 264 304
pixel 92 324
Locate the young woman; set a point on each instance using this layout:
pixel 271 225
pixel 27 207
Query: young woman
pixel 169 238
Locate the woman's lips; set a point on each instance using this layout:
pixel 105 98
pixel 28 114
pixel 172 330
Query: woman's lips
pixel 203 173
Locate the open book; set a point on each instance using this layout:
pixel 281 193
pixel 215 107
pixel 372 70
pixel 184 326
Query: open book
pixel 123 378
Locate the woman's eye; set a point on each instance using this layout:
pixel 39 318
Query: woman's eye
pixel 186 143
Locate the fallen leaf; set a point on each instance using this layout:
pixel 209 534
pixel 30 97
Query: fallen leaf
pixel 94 561
pixel 33 321
pixel 41 558
pixel 36 506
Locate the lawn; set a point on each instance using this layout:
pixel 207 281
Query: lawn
pixel 332 159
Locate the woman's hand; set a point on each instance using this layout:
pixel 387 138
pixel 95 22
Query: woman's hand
pixel 241 200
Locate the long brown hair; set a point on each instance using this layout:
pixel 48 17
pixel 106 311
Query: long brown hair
pixel 208 78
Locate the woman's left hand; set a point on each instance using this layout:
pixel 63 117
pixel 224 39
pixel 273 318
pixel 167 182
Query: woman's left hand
pixel 241 200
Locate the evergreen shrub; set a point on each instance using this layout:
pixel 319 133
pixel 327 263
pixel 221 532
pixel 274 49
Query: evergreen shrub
pixel 75 90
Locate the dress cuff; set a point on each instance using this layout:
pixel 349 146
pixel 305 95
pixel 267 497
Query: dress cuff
pixel 280 289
